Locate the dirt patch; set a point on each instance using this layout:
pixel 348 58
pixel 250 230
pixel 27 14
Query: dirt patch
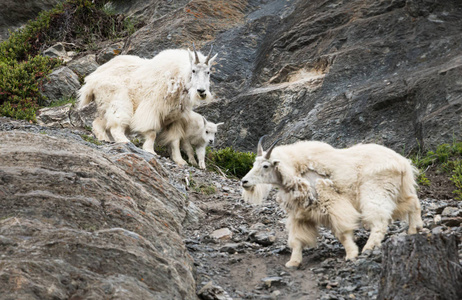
pixel 440 187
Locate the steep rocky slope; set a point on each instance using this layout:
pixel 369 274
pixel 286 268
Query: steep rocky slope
pixel 337 71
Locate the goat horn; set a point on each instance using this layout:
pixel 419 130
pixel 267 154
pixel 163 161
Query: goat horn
pixel 195 54
pixel 260 147
pixel 209 55
pixel 270 149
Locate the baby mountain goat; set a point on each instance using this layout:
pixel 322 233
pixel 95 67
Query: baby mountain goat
pixel 195 131
pixel 145 95
pixel 336 188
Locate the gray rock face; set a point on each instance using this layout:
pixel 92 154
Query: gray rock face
pixel 14 14
pixel 57 51
pixel 84 65
pixel 88 223
pixel 62 83
pixel 55 116
pixel 67 116
pixel 147 10
pixel 109 52
pixel 338 71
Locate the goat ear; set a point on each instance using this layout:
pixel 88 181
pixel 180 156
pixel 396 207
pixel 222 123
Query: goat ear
pixel 276 162
pixel 205 120
pixel 221 123
pixel 191 57
pixel 212 59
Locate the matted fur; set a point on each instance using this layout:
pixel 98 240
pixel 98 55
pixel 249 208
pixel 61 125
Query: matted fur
pixel 144 95
pixel 337 188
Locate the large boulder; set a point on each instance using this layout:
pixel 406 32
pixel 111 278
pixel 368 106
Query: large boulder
pixel 62 83
pixel 341 72
pixel 84 65
pixel 87 222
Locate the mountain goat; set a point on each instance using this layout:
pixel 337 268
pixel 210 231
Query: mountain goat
pixel 195 131
pixel 337 188
pixel 145 95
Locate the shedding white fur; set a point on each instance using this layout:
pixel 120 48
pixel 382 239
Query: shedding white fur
pixel 336 188
pixel 145 95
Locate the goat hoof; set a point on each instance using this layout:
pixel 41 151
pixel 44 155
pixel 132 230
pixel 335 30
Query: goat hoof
pixel 181 163
pixel 293 264
pixel 366 252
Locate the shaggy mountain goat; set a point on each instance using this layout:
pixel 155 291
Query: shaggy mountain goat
pixel 145 95
pixel 195 131
pixel 337 188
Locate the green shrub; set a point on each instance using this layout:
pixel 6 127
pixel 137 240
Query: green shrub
pixel 456 178
pixel 20 84
pixel 23 70
pixel 232 162
pixel 447 158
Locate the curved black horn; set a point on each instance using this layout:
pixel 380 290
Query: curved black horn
pixel 209 55
pixel 260 147
pixel 270 149
pixel 195 54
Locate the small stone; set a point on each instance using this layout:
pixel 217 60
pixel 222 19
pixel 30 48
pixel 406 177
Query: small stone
pixel 231 248
pixel 225 189
pixel 276 294
pixel 109 52
pixel 263 238
pixel 450 211
pixel 57 51
pixel 351 296
pixel 451 222
pixel 273 281
pixel 222 234
pixel 437 219
pixel 437 230
pixel 213 292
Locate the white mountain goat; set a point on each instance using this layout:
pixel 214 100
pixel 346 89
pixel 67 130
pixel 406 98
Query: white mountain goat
pixel 145 95
pixel 336 188
pixel 195 132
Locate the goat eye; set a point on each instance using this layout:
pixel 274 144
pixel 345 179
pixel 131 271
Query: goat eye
pixel 207 132
pixel 265 166
pixel 208 72
pixel 194 71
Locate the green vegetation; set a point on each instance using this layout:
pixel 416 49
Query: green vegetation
pixel 23 70
pixel 63 101
pixel 448 159
pixel 90 139
pixel 231 162
pixel 202 188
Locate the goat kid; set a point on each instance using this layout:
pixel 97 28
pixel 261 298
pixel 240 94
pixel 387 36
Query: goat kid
pixel 195 131
pixel 336 188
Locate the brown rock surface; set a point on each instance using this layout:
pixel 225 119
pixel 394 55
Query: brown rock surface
pixel 78 223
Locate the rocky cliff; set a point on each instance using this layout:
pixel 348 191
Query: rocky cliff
pixel 337 71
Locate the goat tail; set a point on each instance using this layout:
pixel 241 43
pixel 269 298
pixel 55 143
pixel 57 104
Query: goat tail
pixel 86 95
pixel 256 194
pixel 408 180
